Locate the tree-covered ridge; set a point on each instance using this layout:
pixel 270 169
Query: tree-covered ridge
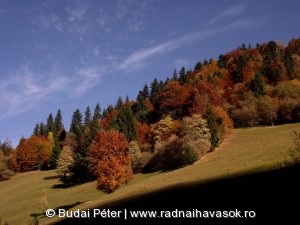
pixel 173 122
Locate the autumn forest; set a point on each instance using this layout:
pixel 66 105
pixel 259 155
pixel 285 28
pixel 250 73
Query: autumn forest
pixel 170 124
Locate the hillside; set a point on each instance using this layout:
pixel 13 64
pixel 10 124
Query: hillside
pixel 245 151
pixel 170 124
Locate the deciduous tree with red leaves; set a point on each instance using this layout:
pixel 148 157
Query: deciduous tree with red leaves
pixel 33 153
pixel 110 160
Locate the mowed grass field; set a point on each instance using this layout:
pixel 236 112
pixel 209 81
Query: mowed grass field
pixel 249 150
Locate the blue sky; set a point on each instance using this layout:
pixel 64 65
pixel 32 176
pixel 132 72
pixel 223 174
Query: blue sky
pixel 60 54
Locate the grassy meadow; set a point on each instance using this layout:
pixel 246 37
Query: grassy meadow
pixel 247 150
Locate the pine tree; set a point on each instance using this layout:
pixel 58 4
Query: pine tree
pixel 198 66
pixel 119 103
pixel 125 122
pixel 42 130
pixel 58 124
pixel 257 85
pixel 139 108
pixel 56 150
pixel 212 123
pixel 88 115
pixel 243 46
pixel 76 124
pixel 97 112
pixel 154 91
pixel 182 76
pixel 222 62
pixel 145 92
pixel 271 51
pixel 36 130
pixel 50 124
pixel 175 76
pixel 288 61
pixel 237 74
pixel 205 62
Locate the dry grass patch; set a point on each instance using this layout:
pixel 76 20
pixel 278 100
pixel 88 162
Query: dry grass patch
pixel 246 150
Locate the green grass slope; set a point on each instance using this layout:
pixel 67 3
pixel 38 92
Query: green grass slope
pixel 212 183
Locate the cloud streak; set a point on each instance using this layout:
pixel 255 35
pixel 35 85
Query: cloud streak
pixel 137 59
pixel 232 11
pixel 24 90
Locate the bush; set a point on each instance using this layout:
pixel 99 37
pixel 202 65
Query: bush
pixel 177 151
pixel 188 156
pixel 287 110
pixel 172 155
pixel 136 156
pixel 195 135
pixel 6 174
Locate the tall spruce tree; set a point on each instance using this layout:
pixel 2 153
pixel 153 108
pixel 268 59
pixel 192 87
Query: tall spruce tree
pixel 50 124
pixel 119 103
pixel 175 75
pixel 42 130
pixel 97 112
pixel 198 66
pixel 87 117
pixel 80 170
pixel 182 76
pixel 154 89
pixel 212 123
pixel 76 126
pixel 125 122
pixel 257 85
pixel 58 124
pixel 36 130
pixel 145 92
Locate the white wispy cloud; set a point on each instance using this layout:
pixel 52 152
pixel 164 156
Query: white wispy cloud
pixel 48 22
pixel 86 79
pixel 74 21
pixel 77 13
pixel 138 58
pixel 232 11
pixel 25 90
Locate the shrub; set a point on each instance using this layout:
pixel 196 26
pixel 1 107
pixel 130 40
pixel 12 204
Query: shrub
pixel 172 155
pixel 244 113
pixel 267 111
pixel 136 156
pixel 195 134
pixel 189 156
pixel 6 174
pixel 287 109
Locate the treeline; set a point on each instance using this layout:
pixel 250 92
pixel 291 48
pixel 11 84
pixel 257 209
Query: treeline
pixel 171 123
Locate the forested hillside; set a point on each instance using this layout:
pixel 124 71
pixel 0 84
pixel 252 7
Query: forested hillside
pixel 171 123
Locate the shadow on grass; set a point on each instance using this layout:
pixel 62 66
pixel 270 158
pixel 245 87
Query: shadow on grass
pixel 271 195
pixel 61 185
pixel 51 177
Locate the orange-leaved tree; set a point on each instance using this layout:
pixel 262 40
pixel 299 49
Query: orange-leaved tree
pixel 110 160
pixel 33 153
